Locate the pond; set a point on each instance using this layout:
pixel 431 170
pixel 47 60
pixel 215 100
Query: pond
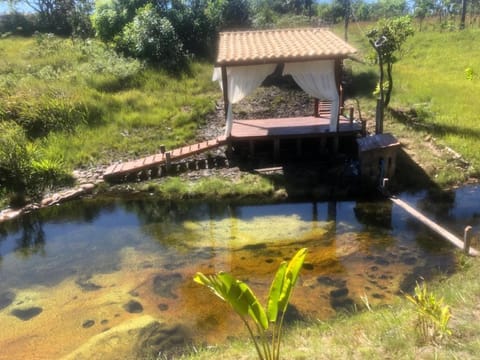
pixel 75 277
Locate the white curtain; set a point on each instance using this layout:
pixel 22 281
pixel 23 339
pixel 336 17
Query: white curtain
pixel 317 78
pixel 242 80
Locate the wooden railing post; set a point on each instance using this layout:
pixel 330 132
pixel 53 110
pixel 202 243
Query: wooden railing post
pixel 315 108
pixel 168 161
pixel 467 239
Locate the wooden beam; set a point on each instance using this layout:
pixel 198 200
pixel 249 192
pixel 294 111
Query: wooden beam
pixel 433 226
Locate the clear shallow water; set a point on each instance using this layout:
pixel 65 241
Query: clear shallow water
pixel 72 272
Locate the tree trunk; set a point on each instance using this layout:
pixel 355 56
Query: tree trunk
pixel 390 85
pixel 462 16
pixel 347 19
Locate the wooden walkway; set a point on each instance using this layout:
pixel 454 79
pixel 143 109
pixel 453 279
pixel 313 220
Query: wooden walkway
pixel 434 226
pixel 163 158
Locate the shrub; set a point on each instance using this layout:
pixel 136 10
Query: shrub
pixel 108 20
pixel 15 168
pixel 45 110
pixel 23 173
pixel 17 23
pixel 433 315
pixel 152 37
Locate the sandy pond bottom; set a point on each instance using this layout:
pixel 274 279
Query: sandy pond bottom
pixel 113 279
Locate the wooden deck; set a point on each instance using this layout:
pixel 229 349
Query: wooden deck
pixel 297 127
pixel 242 130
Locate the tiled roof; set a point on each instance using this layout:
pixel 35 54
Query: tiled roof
pixel 270 46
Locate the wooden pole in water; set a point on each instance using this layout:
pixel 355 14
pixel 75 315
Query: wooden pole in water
pixel 435 227
pixel 467 238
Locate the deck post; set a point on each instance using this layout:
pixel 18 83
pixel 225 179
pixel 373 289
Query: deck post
pixel 467 239
pixel 162 149
pixel 276 149
pixel 350 115
pixel 315 108
pixel 335 144
pixel 299 147
pixel 168 161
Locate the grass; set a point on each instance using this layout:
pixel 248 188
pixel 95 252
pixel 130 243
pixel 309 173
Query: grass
pixel 386 332
pixel 81 101
pixel 434 83
pixel 211 188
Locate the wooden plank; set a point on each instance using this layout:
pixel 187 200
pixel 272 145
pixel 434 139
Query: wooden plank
pixel 149 160
pixel 432 225
pixel 111 169
pixel 159 158
pixel 135 166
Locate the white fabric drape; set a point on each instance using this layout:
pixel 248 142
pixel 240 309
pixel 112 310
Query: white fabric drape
pixel 317 78
pixel 242 80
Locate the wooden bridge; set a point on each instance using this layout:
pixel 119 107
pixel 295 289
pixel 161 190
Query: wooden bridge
pixel 154 162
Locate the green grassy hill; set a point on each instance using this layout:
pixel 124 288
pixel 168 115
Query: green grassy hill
pixel 436 83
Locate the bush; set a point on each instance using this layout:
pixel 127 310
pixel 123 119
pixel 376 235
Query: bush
pixel 152 37
pixel 17 24
pixel 45 110
pixel 108 20
pixel 15 168
pixel 23 173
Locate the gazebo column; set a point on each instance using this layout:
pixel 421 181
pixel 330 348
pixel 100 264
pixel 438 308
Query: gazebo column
pixel 338 82
pixel 226 104
pixel 225 91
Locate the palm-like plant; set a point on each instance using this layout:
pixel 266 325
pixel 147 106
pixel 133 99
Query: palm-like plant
pixel 245 303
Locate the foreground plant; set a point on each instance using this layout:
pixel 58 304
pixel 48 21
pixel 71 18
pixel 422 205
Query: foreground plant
pixel 245 303
pixel 433 315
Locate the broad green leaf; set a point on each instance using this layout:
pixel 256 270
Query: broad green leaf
pixel 237 294
pixel 275 291
pixel 291 277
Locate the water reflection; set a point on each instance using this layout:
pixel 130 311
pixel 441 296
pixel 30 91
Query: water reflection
pixel 97 264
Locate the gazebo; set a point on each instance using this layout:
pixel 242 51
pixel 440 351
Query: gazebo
pixel 312 56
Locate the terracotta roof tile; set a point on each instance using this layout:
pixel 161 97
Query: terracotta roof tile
pixel 267 46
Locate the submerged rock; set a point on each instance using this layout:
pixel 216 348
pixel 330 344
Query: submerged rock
pixel 163 284
pixel 343 303
pixel 308 266
pixel 339 299
pixel 88 323
pixel 133 307
pixel 167 340
pixel 6 298
pixel 139 338
pixel 339 293
pixel 26 314
pixel 328 281
pixel 163 307
pixel 86 285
